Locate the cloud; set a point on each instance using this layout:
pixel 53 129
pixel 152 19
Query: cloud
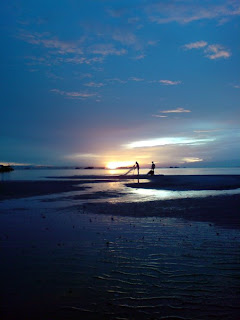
pixel 135 79
pixel 158 116
pixel 73 94
pixel 107 49
pixel 94 84
pixel 216 51
pixel 184 12
pixel 116 80
pixel 206 131
pixel 81 60
pixel 167 141
pixel 170 82
pixel 44 39
pixel 76 156
pixel 195 45
pixel 152 42
pixel 124 37
pixel 191 159
pixel 53 76
pixel 237 86
pixel 178 110
pixel 139 57
pixel 211 51
pixel 133 19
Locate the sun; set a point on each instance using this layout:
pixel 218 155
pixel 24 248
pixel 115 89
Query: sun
pixel 116 164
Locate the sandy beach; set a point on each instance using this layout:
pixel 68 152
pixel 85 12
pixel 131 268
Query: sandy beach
pixel 222 210
pixel 84 248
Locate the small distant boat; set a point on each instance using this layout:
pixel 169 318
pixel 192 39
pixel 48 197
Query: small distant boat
pixel 6 168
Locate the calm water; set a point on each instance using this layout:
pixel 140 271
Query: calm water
pixel 39 174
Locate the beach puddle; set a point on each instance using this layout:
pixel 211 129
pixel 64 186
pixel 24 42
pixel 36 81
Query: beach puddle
pixel 110 192
pixel 153 194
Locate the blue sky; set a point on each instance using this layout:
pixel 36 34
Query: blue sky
pixel 99 81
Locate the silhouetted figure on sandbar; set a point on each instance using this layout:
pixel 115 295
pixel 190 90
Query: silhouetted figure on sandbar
pixel 151 172
pixel 153 167
pixel 137 167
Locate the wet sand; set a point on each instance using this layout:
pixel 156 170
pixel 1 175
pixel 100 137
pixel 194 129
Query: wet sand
pixel 23 189
pixel 169 182
pixel 107 260
pixel 221 210
pixel 190 182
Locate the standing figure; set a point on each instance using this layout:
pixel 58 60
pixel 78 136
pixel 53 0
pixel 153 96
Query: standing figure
pixel 153 167
pixel 137 166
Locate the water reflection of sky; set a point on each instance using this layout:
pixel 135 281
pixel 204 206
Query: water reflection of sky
pixel 112 192
pixel 152 194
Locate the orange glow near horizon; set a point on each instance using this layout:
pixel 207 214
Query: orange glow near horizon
pixel 116 164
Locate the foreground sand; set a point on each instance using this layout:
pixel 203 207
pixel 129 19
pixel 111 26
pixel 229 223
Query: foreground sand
pixel 115 260
pixel 221 210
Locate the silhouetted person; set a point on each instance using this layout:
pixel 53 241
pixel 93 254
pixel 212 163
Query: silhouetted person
pixel 137 166
pixel 153 167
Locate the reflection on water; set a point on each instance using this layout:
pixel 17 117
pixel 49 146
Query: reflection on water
pixel 153 194
pixel 69 265
pixel 112 192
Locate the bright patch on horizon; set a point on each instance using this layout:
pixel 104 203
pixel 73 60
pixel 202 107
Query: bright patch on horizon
pixel 117 164
pixel 166 141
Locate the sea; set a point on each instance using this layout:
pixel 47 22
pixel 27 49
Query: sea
pixel 44 174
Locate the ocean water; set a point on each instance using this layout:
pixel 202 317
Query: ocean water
pixel 40 174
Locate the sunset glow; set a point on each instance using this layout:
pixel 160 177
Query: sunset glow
pixel 111 82
pixel 117 164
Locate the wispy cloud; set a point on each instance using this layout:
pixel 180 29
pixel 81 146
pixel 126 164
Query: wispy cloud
pixel 139 57
pixel 237 86
pixel 195 45
pixel 184 12
pixel 124 37
pixel 107 49
pixel 53 76
pixel 191 159
pixel 116 80
pixel 211 51
pixel 133 19
pixel 178 110
pixel 73 94
pixel 152 42
pixel 216 51
pixel 76 156
pixel 94 84
pixel 135 79
pixel 169 82
pixel 167 141
pixel 81 60
pixel 44 39
pixel 206 131
pixel 158 116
